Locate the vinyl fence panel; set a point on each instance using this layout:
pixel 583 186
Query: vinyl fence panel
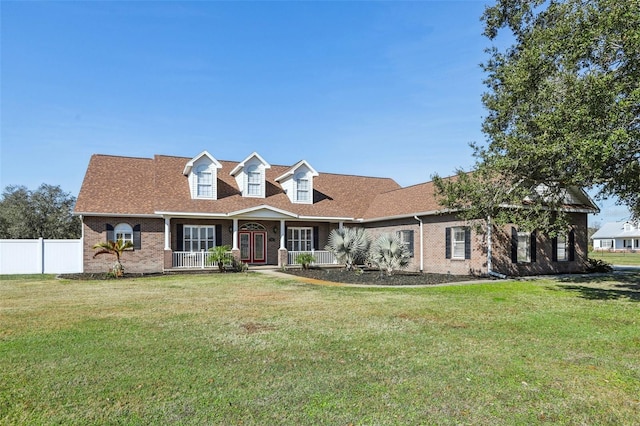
pixel 40 256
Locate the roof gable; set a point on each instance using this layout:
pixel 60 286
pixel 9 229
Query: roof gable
pixel 254 155
pixel 189 166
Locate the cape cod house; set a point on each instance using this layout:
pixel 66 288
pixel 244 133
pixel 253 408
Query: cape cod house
pixel 617 236
pixel 173 209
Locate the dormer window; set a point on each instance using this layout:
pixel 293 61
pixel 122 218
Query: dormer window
pixel 254 181
pixel 205 181
pixel 302 187
pixel 202 172
pixel 297 182
pixel 250 176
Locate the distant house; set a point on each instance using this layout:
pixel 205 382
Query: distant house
pixel 173 209
pixel 617 236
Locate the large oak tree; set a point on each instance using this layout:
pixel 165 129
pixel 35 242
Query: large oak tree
pixel 563 101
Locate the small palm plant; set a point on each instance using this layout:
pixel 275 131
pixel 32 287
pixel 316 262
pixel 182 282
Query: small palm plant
pixel 349 245
pixel 305 259
pixel 219 255
pixel 115 248
pixel 389 254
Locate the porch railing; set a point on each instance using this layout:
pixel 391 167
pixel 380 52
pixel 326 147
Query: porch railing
pixel 322 257
pixel 197 259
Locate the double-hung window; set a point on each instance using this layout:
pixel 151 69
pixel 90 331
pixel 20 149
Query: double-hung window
pixel 302 188
pixel 562 248
pixel 254 181
pixel 300 239
pixel 459 242
pixel 524 247
pixel 198 238
pixel 406 237
pixel 205 182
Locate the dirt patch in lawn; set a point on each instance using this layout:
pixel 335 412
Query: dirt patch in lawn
pixel 373 277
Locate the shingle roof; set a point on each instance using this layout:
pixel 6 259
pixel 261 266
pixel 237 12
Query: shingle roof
pixel 616 230
pixel 147 186
pixel 124 185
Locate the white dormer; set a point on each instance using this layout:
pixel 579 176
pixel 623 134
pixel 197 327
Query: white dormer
pixel 297 182
pixel 202 172
pixel 628 226
pixel 250 176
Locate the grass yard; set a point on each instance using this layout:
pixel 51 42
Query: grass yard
pixel 250 349
pixel 617 258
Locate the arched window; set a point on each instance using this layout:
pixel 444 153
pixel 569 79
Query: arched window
pixel 205 181
pixel 124 232
pixel 302 187
pixel 254 181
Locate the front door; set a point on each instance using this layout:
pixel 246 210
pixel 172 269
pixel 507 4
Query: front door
pixel 253 246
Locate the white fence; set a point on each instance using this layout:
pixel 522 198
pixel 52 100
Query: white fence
pixel 40 256
pixel 322 257
pixel 197 259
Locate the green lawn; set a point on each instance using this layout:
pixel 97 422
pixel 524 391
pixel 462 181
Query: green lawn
pixel 249 349
pixel 617 258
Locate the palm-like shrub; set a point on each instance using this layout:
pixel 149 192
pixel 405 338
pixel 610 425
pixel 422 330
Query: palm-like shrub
pixel 389 254
pixel 349 245
pixel 115 248
pixel 219 255
pixel 305 259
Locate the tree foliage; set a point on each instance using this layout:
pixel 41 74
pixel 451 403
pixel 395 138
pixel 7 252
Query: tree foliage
pixel 563 98
pixel 46 212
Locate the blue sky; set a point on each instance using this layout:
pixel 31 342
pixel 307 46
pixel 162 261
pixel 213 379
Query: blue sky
pixel 372 88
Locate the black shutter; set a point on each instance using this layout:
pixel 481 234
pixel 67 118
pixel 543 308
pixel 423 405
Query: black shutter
pixel 316 238
pixel 514 245
pixel 179 237
pixel 137 238
pixel 109 232
pixel 572 247
pixel 218 230
pixel 533 246
pixel 467 243
pixel 447 243
pixel 411 243
pixel 554 249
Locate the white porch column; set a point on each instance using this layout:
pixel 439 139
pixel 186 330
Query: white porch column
pixel 167 233
pixel 283 243
pixel 235 235
pixel 340 225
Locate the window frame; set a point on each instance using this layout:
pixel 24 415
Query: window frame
pixel 255 181
pixel 406 238
pixel 295 238
pixel 458 244
pixel 523 245
pixel 123 228
pixel 188 241
pixel 562 243
pixel 200 173
pixel 306 188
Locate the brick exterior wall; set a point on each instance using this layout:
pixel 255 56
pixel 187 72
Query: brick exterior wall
pixel 150 257
pixel 153 258
pixel 434 259
pixel 544 263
